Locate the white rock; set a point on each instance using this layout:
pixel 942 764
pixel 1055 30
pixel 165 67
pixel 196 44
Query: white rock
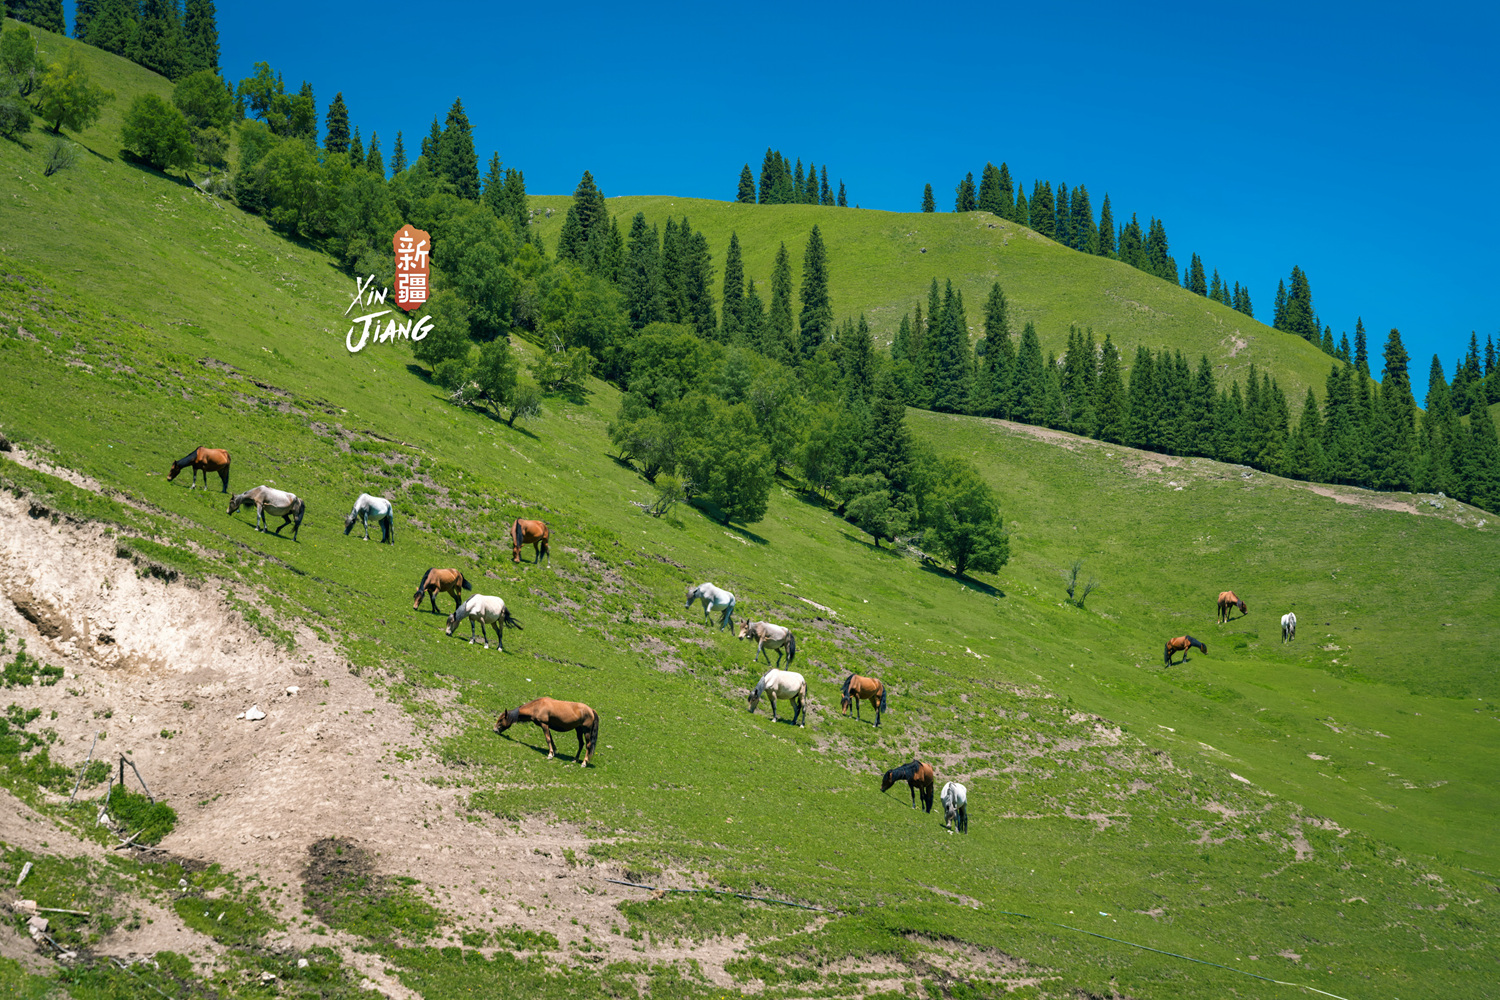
pixel 254 714
pixel 292 690
pixel 38 924
pixel 301 963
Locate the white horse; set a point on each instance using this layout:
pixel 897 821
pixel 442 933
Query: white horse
pixel 714 600
pixel 768 636
pixel 955 798
pixel 487 611
pixel 268 500
pixel 1288 626
pixel 787 684
pixel 380 509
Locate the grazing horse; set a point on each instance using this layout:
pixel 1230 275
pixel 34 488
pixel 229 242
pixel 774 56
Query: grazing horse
pixel 1289 626
pixel 1182 644
pixel 268 500
pixel 916 775
pixel 857 689
pixel 444 581
pixel 380 509
pixel 486 611
pixel 955 800
pixel 715 600
pixel 533 533
pixel 565 717
pixel 787 684
pixel 768 636
pixel 206 460
pixel 1227 602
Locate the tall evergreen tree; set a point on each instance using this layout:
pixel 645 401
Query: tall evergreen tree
pixel 1297 314
pixel 753 319
pixel 1042 218
pixel 928 205
pixel 1278 311
pixel 1022 212
pixel 1480 473
pixel 964 196
pixel 374 159
pixel 1341 429
pixel 1110 403
pixel 1329 347
pixel 1395 421
pixel 83 12
pixel 999 367
pixel 336 125
pixel 780 339
pixel 1085 233
pixel 356 148
pixel 825 193
pixel 989 191
pixel 674 256
pixel 44 14
pixel 157 43
pixel 768 177
pixel 843 197
pixel 816 320
pixel 1305 457
pixel 1158 254
pixel 200 37
pixel 699 274
pixel 746 193
pixel 734 294
pixel 1242 300
pixel 398 156
pixel 1141 395
pixel 798 182
pixel 1106 230
pixel 1202 398
pixel 1132 246
pixel 1361 352
pixel 1197 283
pixel 642 279
pixel 111 25
pixel 951 357
pixel 1343 350
pixel 1062 212
pixel 455 159
pixel 1031 378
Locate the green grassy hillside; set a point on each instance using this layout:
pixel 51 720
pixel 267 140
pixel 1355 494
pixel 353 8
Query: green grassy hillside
pixel 1331 800
pixel 881 263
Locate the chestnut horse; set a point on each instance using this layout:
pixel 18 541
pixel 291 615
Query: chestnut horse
pixel 917 775
pixel 1182 644
pixel 564 716
pixel 205 460
pixel 533 533
pixel 440 581
pixel 1227 602
pixel 857 689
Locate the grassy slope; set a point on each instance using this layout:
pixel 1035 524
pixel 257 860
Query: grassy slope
pixel 877 267
pixel 115 387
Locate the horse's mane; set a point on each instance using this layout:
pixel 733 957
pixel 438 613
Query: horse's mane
pixel 191 457
pixel 847 681
pixel 760 685
pixel 513 715
pixel 422 584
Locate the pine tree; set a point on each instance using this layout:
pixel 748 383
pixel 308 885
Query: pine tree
pixel 1042 218
pixel 200 37
pixel 1395 421
pixel 157 43
pixel 1110 403
pixel 454 158
pixel 1062 212
pixel 642 277
pixel 111 25
pixel 1085 233
pixel 1141 395
pixel 1132 248
pixel 1278 311
pixel 825 193
pixel 768 175
pixel 673 271
pixel 1242 300
pixel 843 197
pixel 989 190
pixel 816 320
pixel 928 205
pixel 734 293
pixel 1202 398
pixel 798 191
pixel 1297 314
pixel 1340 428
pixel 44 14
pixel 83 12
pixel 857 360
pixel 1361 354
pixel 336 125
pixel 398 156
pixel 964 199
pixel 950 354
pixel 1022 211
pixel 746 193
pixel 1305 459
pixel 810 186
pixel 1031 378
pixel 999 356
pixel 1327 343
pixel 1215 285
pixel 356 148
pixel 1481 465
pixel 374 159
pixel 1196 282
pixel 1158 255
pixel 699 275
pixel 781 343
pixel 1106 230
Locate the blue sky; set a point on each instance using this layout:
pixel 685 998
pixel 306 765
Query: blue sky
pixel 1357 141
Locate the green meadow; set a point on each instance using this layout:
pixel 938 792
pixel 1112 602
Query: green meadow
pixel 1318 814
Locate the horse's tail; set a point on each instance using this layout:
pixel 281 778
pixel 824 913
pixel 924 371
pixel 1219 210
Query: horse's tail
pixel 728 616
pixel 594 735
pixel 297 512
pixel 516 533
pixel 463 582
pixel 791 648
pixel 1166 654
pixel 927 795
pixel 510 621
pixel 882 696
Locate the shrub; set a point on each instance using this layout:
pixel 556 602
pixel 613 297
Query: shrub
pixel 157 133
pixel 61 154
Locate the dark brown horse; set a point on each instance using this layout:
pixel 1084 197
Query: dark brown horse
pixel 440 581
pixel 1182 644
pixel 857 689
pixel 1227 603
pixel 564 716
pixel 533 533
pixel 205 460
pixel 917 775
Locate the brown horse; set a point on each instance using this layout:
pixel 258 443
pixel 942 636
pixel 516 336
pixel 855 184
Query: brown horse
pixel 440 581
pixel 205 460
pixel 1228 602
pixel 1182 644
pixel 564 716
pixel 533 533
pixel 857 689
pixel 917 775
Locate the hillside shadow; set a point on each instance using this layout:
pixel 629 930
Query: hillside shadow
pixel 860 540
pixel 130 160
pixel 963 581
pixel 421 373
pixel 711 510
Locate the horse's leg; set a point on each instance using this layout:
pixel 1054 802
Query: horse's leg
pixel 223 476
pixel 579 755
pixel 551 747
pixel 500 636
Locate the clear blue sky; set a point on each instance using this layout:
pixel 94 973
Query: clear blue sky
pixel 1359 141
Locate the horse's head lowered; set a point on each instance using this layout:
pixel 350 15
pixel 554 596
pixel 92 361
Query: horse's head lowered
pixel 453 620
pixel 507 719
pixel 887 780
pixel 744 632
pixel 349 523
pixel 692 592
pixel 182 463
pixel 235 502
pixel 755 697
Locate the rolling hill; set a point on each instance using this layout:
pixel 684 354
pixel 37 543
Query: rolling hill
pixel 1316 814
